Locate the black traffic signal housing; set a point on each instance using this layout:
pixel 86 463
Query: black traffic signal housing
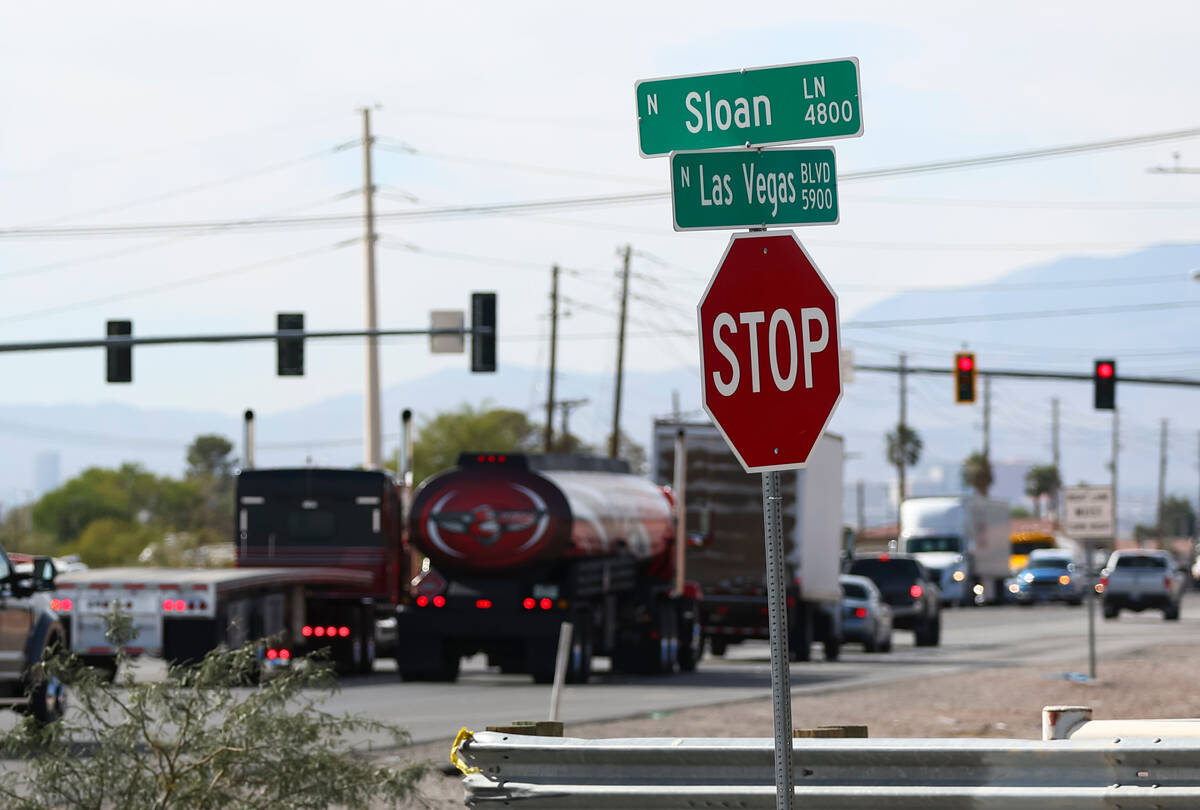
pixel 483 331
pixel 964 377
pixel 1104 384
pixel 119 358
pixel 289 361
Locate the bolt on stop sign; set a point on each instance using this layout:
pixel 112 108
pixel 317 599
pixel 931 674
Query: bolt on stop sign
pixel 769 350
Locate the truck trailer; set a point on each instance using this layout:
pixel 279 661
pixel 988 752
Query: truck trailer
pixel 726 553
pixel 517 544
pixel 964 540
pixel 320 562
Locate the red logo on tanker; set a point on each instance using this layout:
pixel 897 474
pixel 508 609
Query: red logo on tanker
pixel 480 516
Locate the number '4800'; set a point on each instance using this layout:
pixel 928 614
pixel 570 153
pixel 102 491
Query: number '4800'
pixel 829 113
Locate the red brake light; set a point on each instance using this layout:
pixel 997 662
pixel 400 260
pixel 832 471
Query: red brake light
pixel 331 631
pixel 884 557
pixel 481 459
pixel 343 631
pixel 546 603
pixel 306 631
pixel 1103 582
pixel 168 605
pixel 483 604
pixel 529 603
pixel 67 604
pixel 180 604
pixel 501 459
pixel 284 655
pixel 1167 583
pixel 422 600
pixel 916 591
pixel 439 601
pixel 55 604
pixel 318 631
pixel 272 654
pixel 860 613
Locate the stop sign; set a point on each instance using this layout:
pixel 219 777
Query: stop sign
pixel 769 350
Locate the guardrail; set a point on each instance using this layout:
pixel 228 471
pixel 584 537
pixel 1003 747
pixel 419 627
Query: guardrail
pixel 833 774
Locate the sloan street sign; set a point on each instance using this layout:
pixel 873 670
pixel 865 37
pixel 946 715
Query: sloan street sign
pixel 806 101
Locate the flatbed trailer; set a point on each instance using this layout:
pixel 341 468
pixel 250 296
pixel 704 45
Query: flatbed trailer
pixel 181 614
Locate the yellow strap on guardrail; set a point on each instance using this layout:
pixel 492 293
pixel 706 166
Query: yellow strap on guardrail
pixel 464 736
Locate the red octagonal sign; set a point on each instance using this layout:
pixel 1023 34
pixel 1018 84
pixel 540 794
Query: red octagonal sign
pixel 769 350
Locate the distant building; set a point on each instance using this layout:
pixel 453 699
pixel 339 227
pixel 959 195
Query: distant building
pixel 46 475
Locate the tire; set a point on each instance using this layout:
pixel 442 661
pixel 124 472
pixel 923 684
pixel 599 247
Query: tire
pixel 668 639
pixel 800 638
pixel 717 646
pixel 47 695
pixel 870 645
pixel 935 633
pixel 691 643
pixel 1171 614
pixel 579 660
pixel 1110 611
pixel 366 663
pixel 886 646
pixel 832 647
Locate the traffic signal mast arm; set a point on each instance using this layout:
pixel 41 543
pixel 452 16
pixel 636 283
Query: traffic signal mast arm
pixel 88 343
pixel 1035 375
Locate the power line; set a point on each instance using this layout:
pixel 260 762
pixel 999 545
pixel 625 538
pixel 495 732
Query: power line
pixel 176 284
pixel 1016 316
pixel 260 223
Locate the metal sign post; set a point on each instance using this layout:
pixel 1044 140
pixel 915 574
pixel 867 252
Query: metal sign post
pixel 781 676
pixel 1088 515
pixel 1091 597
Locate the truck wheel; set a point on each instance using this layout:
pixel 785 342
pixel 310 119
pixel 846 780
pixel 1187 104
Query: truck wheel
pixel 1110 611
pixel 870 645
pixel 1171 613
pixel 886 646
pixel 935 632
pixel 800 636
pixel 691 644
pixel 579 662
pixel 447 672
pixel 717 646
pixel 366 625
pixel 668 639
pixel 47 694
pixel 833 648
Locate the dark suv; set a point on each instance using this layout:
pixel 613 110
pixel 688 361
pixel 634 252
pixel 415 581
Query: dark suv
pixel 909 589
pixel 28 627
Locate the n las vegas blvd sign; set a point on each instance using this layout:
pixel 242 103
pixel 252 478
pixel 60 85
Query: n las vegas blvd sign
pixel 770 358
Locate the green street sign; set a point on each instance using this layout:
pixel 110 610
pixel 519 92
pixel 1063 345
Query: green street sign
pixel 753 188
pixel 806 101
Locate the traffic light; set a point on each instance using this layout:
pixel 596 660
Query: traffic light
pixel 483 346
pixel 1104 380
pixel 119 358
pixel 964 377
pixel 289 361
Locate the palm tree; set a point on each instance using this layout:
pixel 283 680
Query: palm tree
pixel 1042 480
pixel 903 450
pixel 977 472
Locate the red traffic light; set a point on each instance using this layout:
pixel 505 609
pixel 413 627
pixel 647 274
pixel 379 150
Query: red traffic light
pixel 1104 370
pixel 966 362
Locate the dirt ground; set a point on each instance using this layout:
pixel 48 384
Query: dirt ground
pixel 1004 702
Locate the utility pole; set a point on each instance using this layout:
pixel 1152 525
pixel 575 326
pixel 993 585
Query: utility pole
pixel 614 439
pixel 567 405
pixel 1162 481
pixel 549 443
pixel 1196 521
pixel 1116 450
pixel 902 430
pixel 862 514
pixel 987 418
pixel 372 451
pixel 1054 452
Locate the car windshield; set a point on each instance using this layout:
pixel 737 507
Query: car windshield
pixel 885 572
pixel 852 590
pixel 1140 561
pixel 918 545
pixel 1050 562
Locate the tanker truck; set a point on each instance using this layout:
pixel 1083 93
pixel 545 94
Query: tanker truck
pixel 515 545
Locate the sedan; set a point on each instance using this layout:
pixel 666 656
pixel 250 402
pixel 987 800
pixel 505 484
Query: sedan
pixel 866 618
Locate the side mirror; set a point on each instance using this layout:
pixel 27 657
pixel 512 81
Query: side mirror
pixel 43 574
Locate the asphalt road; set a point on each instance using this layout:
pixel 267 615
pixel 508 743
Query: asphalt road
pixel 1049 637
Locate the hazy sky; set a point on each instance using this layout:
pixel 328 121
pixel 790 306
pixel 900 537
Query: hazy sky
pixel 116 113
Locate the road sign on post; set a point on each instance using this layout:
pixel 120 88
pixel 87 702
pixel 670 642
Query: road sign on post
pixel 770 359
pixel 753 188
pixel 805 101
pixel 1088 513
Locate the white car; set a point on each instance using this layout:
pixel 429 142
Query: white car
pixel 1141 579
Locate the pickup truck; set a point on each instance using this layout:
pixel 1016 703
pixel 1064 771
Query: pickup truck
pixel 28 628
pixel 1141 579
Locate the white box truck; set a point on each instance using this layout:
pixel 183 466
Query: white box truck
pixel 964 541
pixel 726 554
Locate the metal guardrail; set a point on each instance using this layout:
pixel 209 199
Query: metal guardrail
pixel 834 774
